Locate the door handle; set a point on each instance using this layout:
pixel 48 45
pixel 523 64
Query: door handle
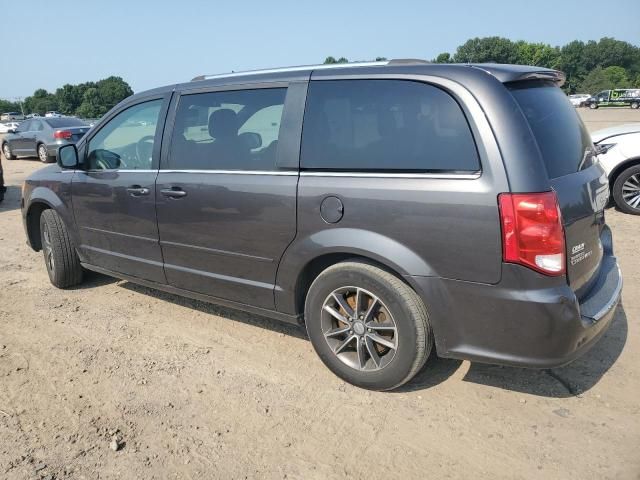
pixel 137 190
pixel 173 192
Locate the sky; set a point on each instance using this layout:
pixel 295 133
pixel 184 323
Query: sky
pixel 150 43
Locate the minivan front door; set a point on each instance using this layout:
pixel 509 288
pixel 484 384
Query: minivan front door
pixel 114 195
pixel 226 207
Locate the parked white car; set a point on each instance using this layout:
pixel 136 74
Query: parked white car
pixel 53 114
pixel 619 154
pixel 9 126
pixel 579 99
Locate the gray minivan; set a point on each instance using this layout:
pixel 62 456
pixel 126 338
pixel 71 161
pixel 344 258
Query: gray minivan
pixel 390 207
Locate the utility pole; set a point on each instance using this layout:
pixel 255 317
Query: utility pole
pixel 19 100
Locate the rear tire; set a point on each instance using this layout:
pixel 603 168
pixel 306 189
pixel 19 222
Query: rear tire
pixel 60 256
pixel 391 337
pixel 43 155
pixel 635 105
pixel 626 190
pixel 6 150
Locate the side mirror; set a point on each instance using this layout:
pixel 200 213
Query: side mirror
pixel 68 157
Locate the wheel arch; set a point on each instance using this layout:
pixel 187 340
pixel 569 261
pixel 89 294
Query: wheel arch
pixel 305 260
pixel 39 200
pixel 33 222
pixel 621 167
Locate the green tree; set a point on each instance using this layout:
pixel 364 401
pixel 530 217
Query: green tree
pixel 91 106
pixel 69 98
pixel 604 79
pixel 487 49
pixel 332 60
pixel 40 102
pixel 112 90
pixel 7 106
pixel 443 58
pixel 538 54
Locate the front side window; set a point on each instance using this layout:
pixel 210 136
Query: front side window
pixel 126 141
pixel 385 125
pixel 230 130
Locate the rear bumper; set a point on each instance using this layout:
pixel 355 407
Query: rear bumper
pixel 52 148
pixel 526 320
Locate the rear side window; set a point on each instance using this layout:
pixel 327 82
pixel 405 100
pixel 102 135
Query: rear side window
pixel 229 130
pixel 561 136
pixel 385 125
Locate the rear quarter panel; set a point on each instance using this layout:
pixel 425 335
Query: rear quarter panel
pixel 442 227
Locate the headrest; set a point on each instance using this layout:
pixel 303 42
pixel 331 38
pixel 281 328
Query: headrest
pixel 223 123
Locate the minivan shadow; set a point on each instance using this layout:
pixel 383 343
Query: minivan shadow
pixel 228 313
pixel 571 380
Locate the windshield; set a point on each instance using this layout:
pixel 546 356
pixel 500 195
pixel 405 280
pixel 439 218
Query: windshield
pixel 562 138
pixel 65 122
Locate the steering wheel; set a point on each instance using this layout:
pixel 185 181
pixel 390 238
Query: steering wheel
pixel 144 150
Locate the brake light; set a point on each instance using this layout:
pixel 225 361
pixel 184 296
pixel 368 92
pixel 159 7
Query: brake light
pixel 532 231
pixel 62 134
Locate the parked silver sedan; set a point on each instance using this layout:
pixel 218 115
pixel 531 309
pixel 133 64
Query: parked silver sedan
pixel 42 137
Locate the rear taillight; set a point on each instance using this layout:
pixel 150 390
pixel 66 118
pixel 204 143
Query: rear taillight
pixel 62 134
pixel 532 232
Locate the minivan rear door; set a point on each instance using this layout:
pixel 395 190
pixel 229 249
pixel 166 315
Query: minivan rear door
pixel 575 175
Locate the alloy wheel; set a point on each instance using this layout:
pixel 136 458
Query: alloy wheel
pixel 48 249
pixel 7 151
pixel 359 328
pixel 42 153
pixel 631 191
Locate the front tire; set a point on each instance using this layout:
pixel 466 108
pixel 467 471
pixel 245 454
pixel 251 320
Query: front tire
pixel 635 105
pixel 6 150
pixel 367 326
pixel 626 190
pixel 593 106
pixel 60 256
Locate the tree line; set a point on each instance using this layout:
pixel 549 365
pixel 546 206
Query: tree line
pixel 87 100
pixel 589 66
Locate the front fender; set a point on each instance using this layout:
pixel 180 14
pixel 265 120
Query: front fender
pixel 57 196
pixel 350 241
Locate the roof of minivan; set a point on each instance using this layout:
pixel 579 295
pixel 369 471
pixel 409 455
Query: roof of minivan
pixel 502 72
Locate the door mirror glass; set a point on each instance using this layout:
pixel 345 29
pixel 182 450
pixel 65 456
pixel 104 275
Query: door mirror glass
pixel 68 157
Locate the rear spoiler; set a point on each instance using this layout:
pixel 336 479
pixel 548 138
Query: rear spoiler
pixel 521 73
pixel 551 75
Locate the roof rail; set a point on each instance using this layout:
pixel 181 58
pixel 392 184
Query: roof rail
pixel 407 61
pixel 299 68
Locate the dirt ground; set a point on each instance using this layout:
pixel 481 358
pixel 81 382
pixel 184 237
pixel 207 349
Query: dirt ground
pixel 196 391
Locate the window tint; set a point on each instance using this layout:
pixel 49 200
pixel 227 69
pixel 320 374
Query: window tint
pixel 25 126
pixel 561 136
pixel 236 130
pixel 66 122
pixel 385 125
pixel 36 125
pixel 126 141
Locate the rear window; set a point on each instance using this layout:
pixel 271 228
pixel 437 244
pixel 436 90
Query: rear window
pixel 65 122
pixel 563 140
pixel 385 125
